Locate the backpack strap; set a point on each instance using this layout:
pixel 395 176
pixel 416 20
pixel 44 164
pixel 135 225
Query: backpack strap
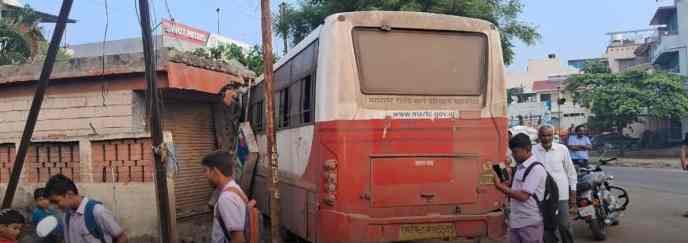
pixel 238 193
pixel 90 221
pixel 530 167
pixel 525 174
pixel 241 195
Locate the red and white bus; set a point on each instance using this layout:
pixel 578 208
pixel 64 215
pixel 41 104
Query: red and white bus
pixel 388 124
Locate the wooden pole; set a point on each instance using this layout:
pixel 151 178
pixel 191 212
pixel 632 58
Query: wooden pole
pixel 43 82
pixel 161 189
pixel 266 24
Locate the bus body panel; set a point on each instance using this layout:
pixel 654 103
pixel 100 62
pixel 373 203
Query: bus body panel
pixel 369 165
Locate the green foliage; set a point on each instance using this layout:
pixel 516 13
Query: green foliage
pixel 21 40
pixel 591 67
pixel 616 100
pixel 14 46
pixel 19 36
pixel 252 58
pixel 309 14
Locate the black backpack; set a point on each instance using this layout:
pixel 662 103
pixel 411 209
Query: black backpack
pixel 549 205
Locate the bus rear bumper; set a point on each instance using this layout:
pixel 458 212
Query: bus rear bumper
pixel 346 227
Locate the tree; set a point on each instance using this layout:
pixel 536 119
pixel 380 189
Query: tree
pixel 252 58
pixel 595 67
pixel 21 40
pixel 309 14
pixel 617 100
pixel 19 36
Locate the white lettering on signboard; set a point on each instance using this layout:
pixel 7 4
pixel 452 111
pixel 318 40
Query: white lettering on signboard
pixel 425 114
pixel 181 30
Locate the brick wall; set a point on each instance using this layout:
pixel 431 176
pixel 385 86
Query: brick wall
pixel 6 161
pixel 122 160
pixel 51 158
pixel 69 115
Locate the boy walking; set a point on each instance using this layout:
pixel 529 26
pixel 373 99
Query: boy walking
pixel 43 210
pixel 86 220
pixel 526 224
pixel 230 210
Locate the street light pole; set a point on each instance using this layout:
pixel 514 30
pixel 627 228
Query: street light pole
pixel 218 20
pixel 266 24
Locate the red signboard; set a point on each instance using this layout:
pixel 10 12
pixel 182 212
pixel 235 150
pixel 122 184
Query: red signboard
pixel 184 32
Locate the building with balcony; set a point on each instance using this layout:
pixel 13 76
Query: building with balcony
pixel 670 52
pixel 622 51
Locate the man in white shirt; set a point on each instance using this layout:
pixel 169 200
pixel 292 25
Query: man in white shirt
pixel 557 161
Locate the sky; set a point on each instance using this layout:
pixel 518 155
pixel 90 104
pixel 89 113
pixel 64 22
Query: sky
pixel 572 29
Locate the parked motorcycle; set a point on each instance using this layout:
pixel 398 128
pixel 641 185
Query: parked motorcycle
pixel 600 202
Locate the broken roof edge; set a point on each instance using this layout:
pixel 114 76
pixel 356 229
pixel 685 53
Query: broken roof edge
pixel 126 63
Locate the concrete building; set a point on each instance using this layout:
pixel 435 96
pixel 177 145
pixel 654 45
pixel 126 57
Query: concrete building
pixel 621 51
pixel 173 35
pixel 537 69
pixel 93 127
pixel 670 52
pixel 547 103
pixel 536 93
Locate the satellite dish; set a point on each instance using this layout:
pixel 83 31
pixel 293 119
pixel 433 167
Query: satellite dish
pixel 46 226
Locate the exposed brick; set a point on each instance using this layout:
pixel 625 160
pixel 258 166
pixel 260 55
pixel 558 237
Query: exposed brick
pixel 136 151
pixel 54 153
pixel 122 151
pixel 75 153
pixel 110 152
pixel 42 154
pixel 97 152
pixel 121 156
pixel 66 153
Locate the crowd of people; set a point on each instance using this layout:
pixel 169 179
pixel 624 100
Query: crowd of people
pixel 86 220
pixel 526 188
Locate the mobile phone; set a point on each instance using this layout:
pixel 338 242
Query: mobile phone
pixel 501 172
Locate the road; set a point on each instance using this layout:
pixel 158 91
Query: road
pixel 658 199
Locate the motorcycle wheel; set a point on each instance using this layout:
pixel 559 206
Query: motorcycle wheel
pixel 598 228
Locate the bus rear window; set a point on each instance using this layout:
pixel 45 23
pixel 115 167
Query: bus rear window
pixel 420 62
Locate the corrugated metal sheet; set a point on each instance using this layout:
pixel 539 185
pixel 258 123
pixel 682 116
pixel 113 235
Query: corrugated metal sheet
pixel 194 136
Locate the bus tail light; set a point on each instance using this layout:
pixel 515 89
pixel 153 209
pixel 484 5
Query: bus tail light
pixel 330 185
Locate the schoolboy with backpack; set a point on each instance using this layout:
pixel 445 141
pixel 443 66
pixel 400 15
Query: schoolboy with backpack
pixel 236 219
pixel 533 193
pixel 83 213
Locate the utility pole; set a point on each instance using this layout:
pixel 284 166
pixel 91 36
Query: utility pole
pixel 155 125
pixel 43 82
pixel 218 20
pixel 285 34
pixel 266 24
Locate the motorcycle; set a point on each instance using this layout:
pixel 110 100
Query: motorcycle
pixel 600 202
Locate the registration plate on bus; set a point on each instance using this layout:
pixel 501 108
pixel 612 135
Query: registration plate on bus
pixel 426 231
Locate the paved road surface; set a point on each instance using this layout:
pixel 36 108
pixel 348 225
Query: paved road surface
pixel 658 199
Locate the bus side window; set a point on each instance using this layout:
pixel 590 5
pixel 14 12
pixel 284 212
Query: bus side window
pixel 306 100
